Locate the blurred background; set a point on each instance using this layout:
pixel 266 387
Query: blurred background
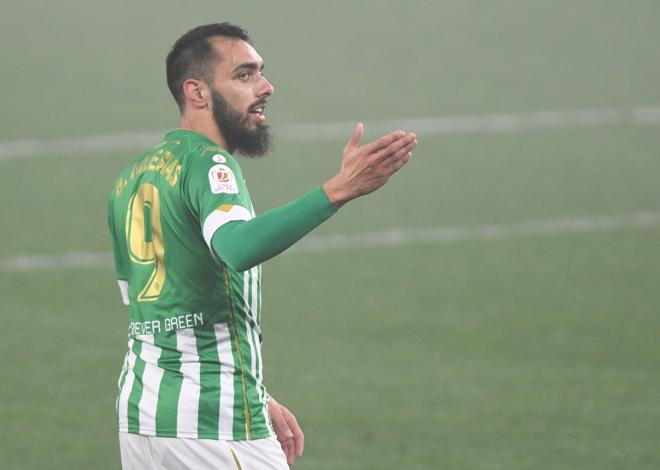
pixel 495 306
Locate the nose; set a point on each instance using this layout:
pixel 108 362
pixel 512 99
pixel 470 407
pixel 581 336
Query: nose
pixel 265 88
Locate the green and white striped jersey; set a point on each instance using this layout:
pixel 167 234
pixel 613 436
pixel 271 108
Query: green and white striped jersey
pixel 193 367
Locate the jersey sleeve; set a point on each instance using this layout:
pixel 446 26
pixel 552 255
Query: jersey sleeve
pixel 120 267
pixel 246 244
pixel 120 260
pixel 216 191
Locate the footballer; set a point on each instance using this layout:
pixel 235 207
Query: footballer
pixel 188 249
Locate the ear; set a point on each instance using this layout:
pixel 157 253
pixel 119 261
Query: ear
pixel 196 93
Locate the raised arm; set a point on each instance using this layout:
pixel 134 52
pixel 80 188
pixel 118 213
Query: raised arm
pixel 243 244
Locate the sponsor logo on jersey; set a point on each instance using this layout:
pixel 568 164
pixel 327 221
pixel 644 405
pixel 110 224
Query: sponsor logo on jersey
pixel 219 158
pixel 222 180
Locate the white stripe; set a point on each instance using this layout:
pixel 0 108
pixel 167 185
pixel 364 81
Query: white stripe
pixel 188 406
pixel 252 331
pixel 248 287
pixel 493 122
pixel 151 378
pixel 123 290
pixel 217 219
pixel 255 293
pixel 391 237
pixel 226 418
pixel 122 401
pixel 253 355
pixel 246 292
pixel 255 337
pixel 260 304
pixel 248 328
pixel 261 390
pixel 248 315
pixel 122 376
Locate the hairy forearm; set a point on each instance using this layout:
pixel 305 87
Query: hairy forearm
pixel 244 244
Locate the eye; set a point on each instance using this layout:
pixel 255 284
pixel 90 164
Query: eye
pixel 244 76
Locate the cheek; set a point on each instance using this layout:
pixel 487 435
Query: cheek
pixel 239 99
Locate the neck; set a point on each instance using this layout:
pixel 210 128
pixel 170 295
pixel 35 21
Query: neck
pixel 204 126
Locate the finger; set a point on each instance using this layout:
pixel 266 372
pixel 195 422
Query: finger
pixel 396 148
pixel 298 436
pixel 354 140
pixel 287 449
pixel 280 425
pixel 292 453
pixel 400 153
pixel 383 141
pixel 396 166
pixel 283 433
pixel 289 452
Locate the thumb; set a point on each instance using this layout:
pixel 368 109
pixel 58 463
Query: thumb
pixel 354 140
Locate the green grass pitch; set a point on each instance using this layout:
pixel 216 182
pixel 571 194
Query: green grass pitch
pixel 519 352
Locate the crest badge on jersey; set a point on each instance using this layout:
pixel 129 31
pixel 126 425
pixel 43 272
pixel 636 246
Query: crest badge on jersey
pixel 222 180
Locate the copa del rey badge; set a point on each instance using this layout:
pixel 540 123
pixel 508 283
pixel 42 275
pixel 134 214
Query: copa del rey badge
pixel 222 180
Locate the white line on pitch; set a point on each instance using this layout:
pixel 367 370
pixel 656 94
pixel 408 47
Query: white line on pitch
pixel 386 238
pixel 501 122
pixel 316 131
pixel 397 237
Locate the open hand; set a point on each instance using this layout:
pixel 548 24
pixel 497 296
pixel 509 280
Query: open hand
pixel 365 169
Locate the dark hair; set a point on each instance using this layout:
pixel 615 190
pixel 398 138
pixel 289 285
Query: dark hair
pixel 193 56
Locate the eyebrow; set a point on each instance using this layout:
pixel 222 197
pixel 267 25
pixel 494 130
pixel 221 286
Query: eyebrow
pixel 248 66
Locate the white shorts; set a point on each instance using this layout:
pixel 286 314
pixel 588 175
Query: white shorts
pixel 174 453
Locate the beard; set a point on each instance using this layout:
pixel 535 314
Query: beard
pixel 236 131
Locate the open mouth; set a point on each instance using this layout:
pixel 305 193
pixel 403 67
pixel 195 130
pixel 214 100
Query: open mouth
pixel 258 110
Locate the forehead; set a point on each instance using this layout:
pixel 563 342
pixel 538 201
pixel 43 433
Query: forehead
pixel 234 53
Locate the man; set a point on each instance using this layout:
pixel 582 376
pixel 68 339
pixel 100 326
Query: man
pixel 188 247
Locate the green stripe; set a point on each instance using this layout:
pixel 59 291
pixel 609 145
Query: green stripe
pixel 245 335
pixel 136 392
pixel 240 380
pixel 262 418
pixel 257 350
pixel 209 400
pixel 124 372
pixel 247 346
pixel 170 384
pixel 235 282
pixel 256 340
pixel 260 424
pixel 122 380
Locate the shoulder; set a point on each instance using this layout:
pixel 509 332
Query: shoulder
pixel 207 158
pixel 208 154
pixel 212 167
pixel 194 148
